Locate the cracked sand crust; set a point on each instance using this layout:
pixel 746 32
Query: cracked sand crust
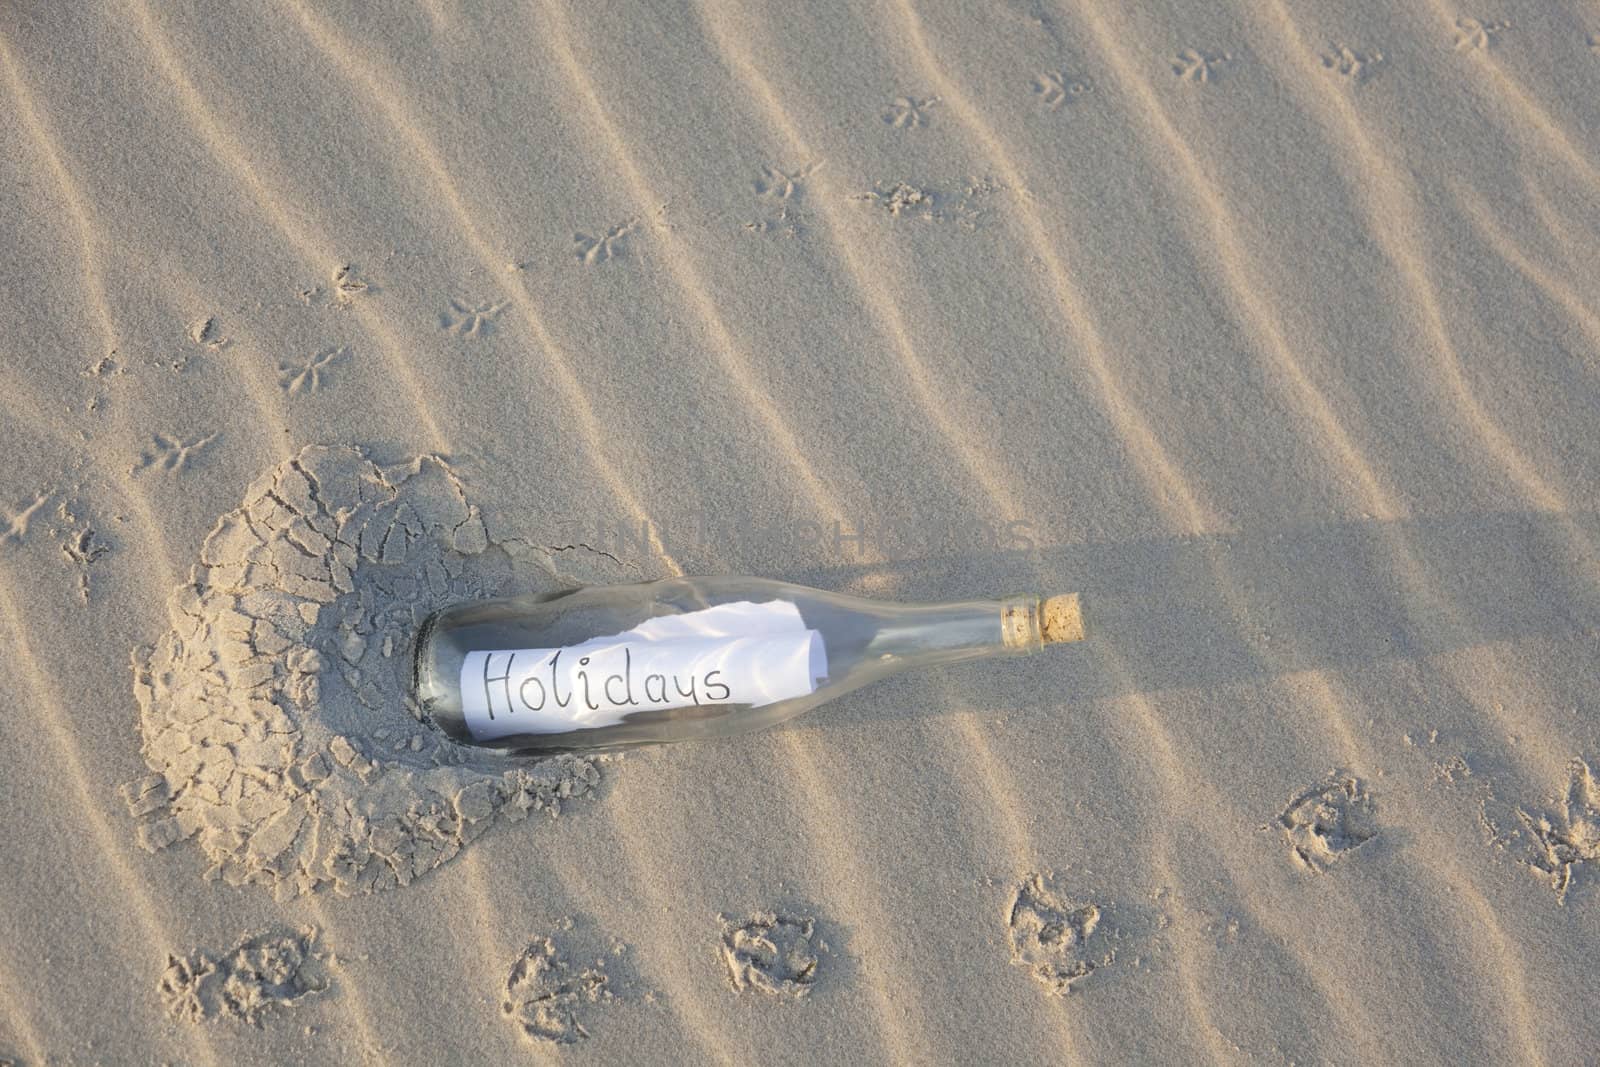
pixel 276 714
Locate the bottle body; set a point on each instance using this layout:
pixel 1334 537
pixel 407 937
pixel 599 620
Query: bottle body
pixel 607 667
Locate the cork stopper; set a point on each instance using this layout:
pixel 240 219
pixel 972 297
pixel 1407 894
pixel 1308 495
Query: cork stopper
pixel 1061 619
pixel 1028 623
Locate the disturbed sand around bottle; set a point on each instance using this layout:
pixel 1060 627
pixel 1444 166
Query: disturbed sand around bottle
pixel 1272 327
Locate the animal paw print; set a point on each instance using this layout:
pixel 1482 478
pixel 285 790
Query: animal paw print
pixel 1055 938
pixel 470 320
pixel 908 112
pixel 780 184
pixel 546 997
pixel 1328 821
pixel 773 954
pixel 901 199
pixel 207 332
pixel 17 522
pixel 780 190
pixel 592 250
pixel 347 285
pixel 781 223
pixel 1475 35
pixel 105 367
pixel 81 545
pixel 1054 88
pixel 170 453
pixel 298 378
pixel 1343 60
pixel 1193 65
pixel 1559 843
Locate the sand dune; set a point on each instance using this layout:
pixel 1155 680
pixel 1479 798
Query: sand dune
pixel 1272 327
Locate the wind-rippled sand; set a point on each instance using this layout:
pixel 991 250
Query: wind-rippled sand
pixel 1272 328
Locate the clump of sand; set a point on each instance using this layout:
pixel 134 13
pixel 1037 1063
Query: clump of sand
pixel 261 972
pixel 276 714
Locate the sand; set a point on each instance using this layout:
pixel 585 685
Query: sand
pixel 276 713
pixel 1272 328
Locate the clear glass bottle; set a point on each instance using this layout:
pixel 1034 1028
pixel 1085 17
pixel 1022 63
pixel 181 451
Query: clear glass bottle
pixel 608 667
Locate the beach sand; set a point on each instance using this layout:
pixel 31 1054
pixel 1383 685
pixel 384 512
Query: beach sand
pixel 1272 328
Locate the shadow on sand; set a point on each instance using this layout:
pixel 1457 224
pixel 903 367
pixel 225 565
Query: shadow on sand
pixel 1202 612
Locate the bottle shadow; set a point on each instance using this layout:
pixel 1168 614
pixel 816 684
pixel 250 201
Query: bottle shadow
pixel 1211 611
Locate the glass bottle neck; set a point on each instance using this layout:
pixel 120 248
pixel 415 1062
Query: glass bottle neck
pixel 959 631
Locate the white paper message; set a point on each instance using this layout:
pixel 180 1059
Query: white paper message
pixel 739 653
